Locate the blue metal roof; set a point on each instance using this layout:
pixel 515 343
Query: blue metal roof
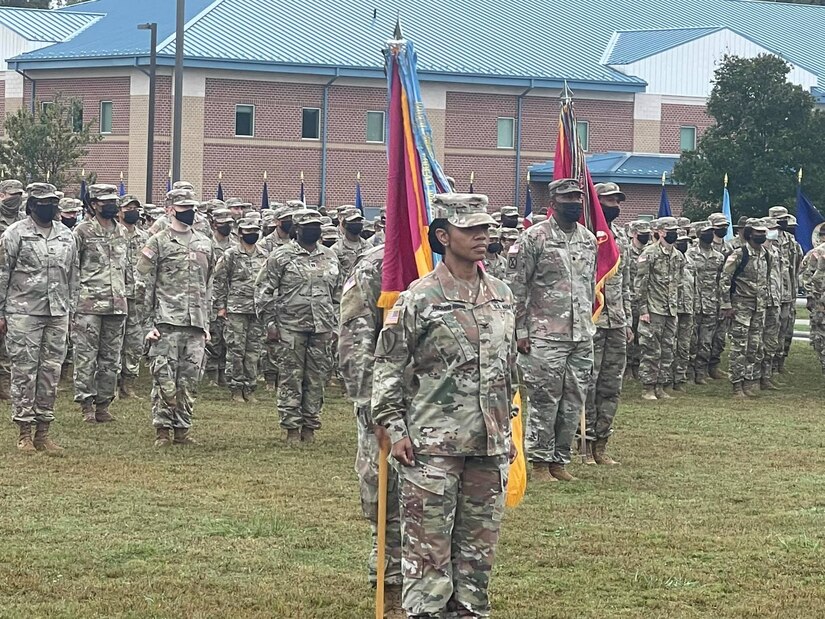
pixel 618 167
pixel 44 25
pixel 633 45
pixel 470 40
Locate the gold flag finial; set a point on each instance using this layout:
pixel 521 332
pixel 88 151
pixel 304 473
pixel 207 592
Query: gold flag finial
pixel 83 173
pixel 528 176
pixel 358 176
pixel 726 179
pixel 264 174
pixel 302 175
pixel 472 176
pixel 799 176
pixel 664 178
pixel 220 176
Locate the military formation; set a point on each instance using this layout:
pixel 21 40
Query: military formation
pixel 286 298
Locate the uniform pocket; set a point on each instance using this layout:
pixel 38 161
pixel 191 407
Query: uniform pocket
pixel 422 495
pixel 500 500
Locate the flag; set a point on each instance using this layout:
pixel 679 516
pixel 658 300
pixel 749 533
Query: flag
pixel 302 188
pixel 528 206
pixel 265 195
pixel 726 210
pixel 169 182
pixel 807 219
pixel 664 204
pixel 219 194
pixel 359 204
pixel 83 188
pixel 569 162
pixel 121 189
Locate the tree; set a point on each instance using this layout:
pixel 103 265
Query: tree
pixel 47 144
pixel 766 128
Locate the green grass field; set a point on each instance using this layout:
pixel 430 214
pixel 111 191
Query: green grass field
pixel 717 511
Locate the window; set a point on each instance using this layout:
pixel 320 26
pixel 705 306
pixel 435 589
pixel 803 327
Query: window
pixel 244 121
pixel 45 105
pixel 311 124
pixel 375 127
pixel 106 109
pixel 687 138
pixel 505 129
pixel 583 131
pixel 77 117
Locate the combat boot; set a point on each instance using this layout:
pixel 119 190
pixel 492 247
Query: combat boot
pixel 102 414
pixel 661 394
pixel 249 396
pixel 222 378
pixel 307 435
pixel 42 442
pixel 649 393
pixel 679 388
pixel 701 379
pixel 782 369
pixel 540 472
pixel 749 389
pixel 127 389
pixel 293 437
pixel 588 457
pixel 392 603
pixel 738 392
pixel 766 384
pixel 88 410
pixel 162 439
pixel 600 455
pixel 24 440
pixel 237 396
pixel 635 372
pixel 182 437
pixel 4 387
pixel 558 471
pixel 716 374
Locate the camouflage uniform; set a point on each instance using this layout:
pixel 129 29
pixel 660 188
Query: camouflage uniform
pixel 748 301
pixel 133 337
pixel 685 307
pixel 177 270
pixel 349 252
pixel 234 291
pixel 812 278
pixel 496 264
pixel 298 293
pixel 720 334
pixel 457 344
pixel 38 292
pixel 100 319
pixel 707 264
pixel 11 211
pixel 660 271
pixel 216 347
pixel 553 281
pixel 634 354
pixel 361 322
pixel 771 348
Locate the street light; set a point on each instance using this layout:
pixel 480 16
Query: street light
pixel 150 145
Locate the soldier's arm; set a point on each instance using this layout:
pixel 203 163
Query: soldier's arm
pixel 147 266
pixel 74 280
pixel 642 280
pixel 521 267
pixel 627 290
pixel 222 279
pixel 9 247
pixel 726 279
pixel 266 289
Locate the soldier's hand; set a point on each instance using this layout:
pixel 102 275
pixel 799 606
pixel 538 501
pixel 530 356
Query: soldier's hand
pixel 645 318
pixel 628 334
pixel 513 452
pixel 207 337
pixel 222 313
pixel 3 327
pixel 382 435
pixel 728 313
pixel 403 452
pixel 523 345
pixel 273 334
pixel 153 335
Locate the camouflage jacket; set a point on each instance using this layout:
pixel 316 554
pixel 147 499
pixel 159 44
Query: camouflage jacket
pixel 235 274
pixel 349 253
pixel 38 274
pixel 632 255
pixel 616 312
pixel 135 239
pixel 102 255
pixel 686 296
pixel 553 280
pixel 812 273
pixel 6 220
pixel 777 271
pixel 177 270
pixel 751 283
pixel 727 247
pixel 300 290
pixel 361 321
pixel 459 348
pixel 272 242
pixel 707 265
pixel 496 266
pixel 660 270
pixel 201 224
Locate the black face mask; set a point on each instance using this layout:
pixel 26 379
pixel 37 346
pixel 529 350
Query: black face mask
pixel 671 236
pixel 720 232
pixel 367 234
pixel 611 212
pixel 509 222
pixel 643 238
pixel 108 211
pixel 131 217
pixel 44 212
pixel 758 239
pixel 186 217
pixel 12 203
pixel 224 229
pixel 570 212
pixel 682 246
pixel 309 236
pixel 494 248
pixel 707 237
pixel 268 230
pixel 782 223
pixel 329 242
pixel 286 226
pixel 354 228
pixel 69 222
pixel 250 238
pixel 792 229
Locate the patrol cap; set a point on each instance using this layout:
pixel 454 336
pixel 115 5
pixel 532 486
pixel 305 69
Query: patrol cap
pixel 186 203
pixel 11 186
pixel 211 205
pixel 778 212
pixel 221 215
pixel 702 226
pixel 253 215
pixel 564 186
pixel 60 194
pixel 101 192
pixel 683 222
pixel 718 220
pixel 508 211
pixel 754 223
pixel 610 189
pixel 353 215
pixel 369 226
pixel 268 217
pixel 153 211
pixel 284 212
pixel 128 199
pixel 791 220
pixel 683 236
pixel 511 234
pixel 295 204
pixel 183 185
pixel 537 219
pixel 497 216
pixel 329 232
pixel 249 224
pixel 495 233
pixel 234 202
pixel 639 226
pixel 275 205
pixel 665 223
pixel 742 221
pixel 306 216
pixel 42 190
pixel 177 195
pixel 326 221
pixel 462 210
pixel 70 205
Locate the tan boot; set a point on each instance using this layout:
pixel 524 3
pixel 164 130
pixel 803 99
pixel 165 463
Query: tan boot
pixel 701 379
pixel 249 396
pixel 237 396
pixel 649 393
pixel 127 389
pixel 222 378
pixel 182 437
pixel 102 414
pixel 293 437
pixel 307 435
pixel 661 394
pixel 88 410
pixel 716 374
pixel 162 439
pixel 749 388
pixel 539 472
pixel 42 442
pixel 558 471
pixel 766 384
pixel 600 455
pixel 679 388
pixel 24 439
pixel 738 391
pixel 392 603
pixel 588 457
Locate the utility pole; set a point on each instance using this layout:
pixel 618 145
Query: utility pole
pixel 177 134
pixel 150 143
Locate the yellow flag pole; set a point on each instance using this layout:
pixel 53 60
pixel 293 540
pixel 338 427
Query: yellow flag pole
pixel 383 455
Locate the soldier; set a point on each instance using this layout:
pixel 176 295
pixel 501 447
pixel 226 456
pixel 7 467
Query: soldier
pixel 509 217
pixel 100 319
pixel 660 270
pixel 790 255
pixel 494 263
pixel 268 221
pixel 685 307
pixel 770 341
pixel 174 196
pixel 613 331
pixel 283 217
pixel 707 263
pixel 38 290
pixel 553 273
pixel 361 321
pixel 368 232
pixel 223 237
pixel 133 334
pixel 70 209
pixel 743 289
pixel 720 229
pixel 350 246
pixel 176 265
pixel 234 292
pixel 329 236
pixel 639 233
pixel 509 236
pixel 812 278
pixel 449 421
pixel 297 297
pixel 380 224
pixel 11 211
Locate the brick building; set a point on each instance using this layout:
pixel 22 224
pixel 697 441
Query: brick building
pixel 287 87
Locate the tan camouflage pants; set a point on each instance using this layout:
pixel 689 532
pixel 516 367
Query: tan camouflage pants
pixel 244 336
pixel 817 332
pixel 704 326
pixel 720 337
pixel 133 343
pixel 787 323
pixel 770 343
pixel 176 362
pixel 681 360
pixel 609 358
pixel 451 510
pixel 305 363
pixel 37 347
pixel 745 349
pixel 97 341
pixel 216 349
pixel 657 339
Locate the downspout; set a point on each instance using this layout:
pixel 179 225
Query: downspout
pixel 325 112
pixel 34 89
pixel 519 108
